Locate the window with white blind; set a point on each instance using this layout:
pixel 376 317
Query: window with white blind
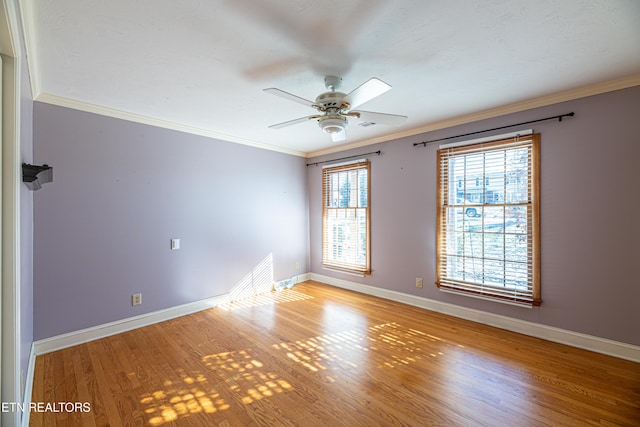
pixel 345 217
pixel 488 220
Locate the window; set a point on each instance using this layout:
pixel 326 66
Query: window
pixel 345 217
pixel 488 236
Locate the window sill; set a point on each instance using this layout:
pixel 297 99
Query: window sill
pixel 349 272
pixel 523 304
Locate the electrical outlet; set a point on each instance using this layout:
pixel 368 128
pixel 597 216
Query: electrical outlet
pixel 136 299
pixel 297 266
pixel 418 282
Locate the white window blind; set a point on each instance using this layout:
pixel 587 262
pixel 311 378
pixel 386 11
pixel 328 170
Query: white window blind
pixel 488 220
pixel 345 217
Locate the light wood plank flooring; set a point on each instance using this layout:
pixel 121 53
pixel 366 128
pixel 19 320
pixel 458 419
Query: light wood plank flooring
pixel 316 355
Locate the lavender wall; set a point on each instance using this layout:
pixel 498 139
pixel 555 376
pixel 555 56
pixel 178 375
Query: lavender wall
pixel 122 190
pixel 590 216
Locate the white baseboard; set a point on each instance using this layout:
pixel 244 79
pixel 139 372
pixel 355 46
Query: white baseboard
pixel 82 336
pixel 550 333
pixel 302 278
pixel 28 387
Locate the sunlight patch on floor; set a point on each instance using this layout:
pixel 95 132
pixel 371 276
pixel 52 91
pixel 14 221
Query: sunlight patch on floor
pixel 349 349
pixel 286 295
pixel 179 399
pixel 242 377
pixel 238 372
pixel 246 375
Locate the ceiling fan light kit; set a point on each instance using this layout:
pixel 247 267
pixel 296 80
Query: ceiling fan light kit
pixel 332 123
pixel 335 108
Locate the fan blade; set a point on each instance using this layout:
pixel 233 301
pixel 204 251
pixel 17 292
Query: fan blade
pixel 291 122
pixel 289 96
pixel 366 92
pixel 381 118
pixel 339 136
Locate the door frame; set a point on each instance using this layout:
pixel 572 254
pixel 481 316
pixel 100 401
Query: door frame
pixel 10 351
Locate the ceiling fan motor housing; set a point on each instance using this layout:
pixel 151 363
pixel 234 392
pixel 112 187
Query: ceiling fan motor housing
pixel 331 100
pixel 330 103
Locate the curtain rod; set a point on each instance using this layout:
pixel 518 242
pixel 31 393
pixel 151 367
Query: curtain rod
pixel 344 158
pixel 424 144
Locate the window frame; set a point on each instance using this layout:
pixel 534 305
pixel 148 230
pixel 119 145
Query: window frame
pixel 345 265
pixel 488 291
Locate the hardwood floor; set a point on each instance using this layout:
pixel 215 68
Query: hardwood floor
pixel 316 355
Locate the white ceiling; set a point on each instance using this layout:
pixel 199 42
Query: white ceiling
pixel 201 65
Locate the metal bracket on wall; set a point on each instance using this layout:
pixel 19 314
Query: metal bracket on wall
pixel 34 176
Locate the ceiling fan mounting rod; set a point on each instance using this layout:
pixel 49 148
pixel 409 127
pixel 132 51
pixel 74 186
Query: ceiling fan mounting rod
pixel 332 82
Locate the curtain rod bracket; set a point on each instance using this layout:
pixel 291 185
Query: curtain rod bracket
pixel 571 114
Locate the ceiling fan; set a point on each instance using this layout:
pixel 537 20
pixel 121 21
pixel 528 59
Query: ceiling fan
pixel 335 108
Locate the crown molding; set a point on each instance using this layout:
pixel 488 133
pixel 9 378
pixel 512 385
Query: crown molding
pixel 542 101
pixel 29 25
pixel 60 101
pixel 568 95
